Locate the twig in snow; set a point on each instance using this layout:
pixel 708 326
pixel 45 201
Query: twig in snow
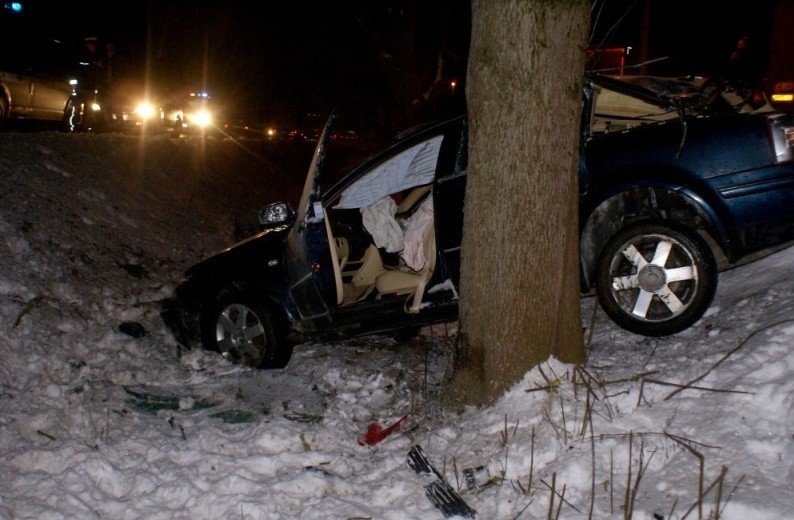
pixel 626 499
pixel 551 497
pixel 561 498
pixel 45 434
pixel 27 308
pixel 611 484
pixel 564 425
pixel 559 506
pixel 701 459
pixel 693 387
pixel 726 356
pixel 522 510
pixel 653 351
pixel 531 460
pixel 699 502
pixel 664 434
pixel 593 468
pixel 719 492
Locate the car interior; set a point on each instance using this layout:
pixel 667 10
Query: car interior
pixel 381 229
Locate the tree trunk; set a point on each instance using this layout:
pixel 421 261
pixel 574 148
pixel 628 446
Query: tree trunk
pixel 519 299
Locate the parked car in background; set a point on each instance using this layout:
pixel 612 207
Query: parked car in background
pixel 36 81
pixel 675 184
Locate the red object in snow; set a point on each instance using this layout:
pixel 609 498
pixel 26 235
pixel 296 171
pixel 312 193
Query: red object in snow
pixel 376 433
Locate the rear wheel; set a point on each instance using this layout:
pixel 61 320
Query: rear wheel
pixel 246 332
pixel 656 279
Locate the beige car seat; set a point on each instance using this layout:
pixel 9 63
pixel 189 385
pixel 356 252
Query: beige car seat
pixel 404 280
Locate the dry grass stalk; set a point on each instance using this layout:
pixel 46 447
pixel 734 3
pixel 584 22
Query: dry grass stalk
pixel 653 351
pixel 522 510
pixel 631 490
pixel 600 384
pixel 715 482
pixel 551 423
pixel 649 434
pixel 693 387
pixel 29 306
pixel 593 471
pixel 589 341
pixel 551 497
pixel 733 490
pixel 506 435
pixel 588 410
pixel 672 508
pixel 427 361
pixel 455 472
pixel 603 384
pixel 561 497
pixel 559 506
pixel 564 425
pixel 640 472
pixel 626 499
pixel 642 388
pixel 575 384
pixel 611 484
pixel 719 492
pixel 531 460
pixel 701 476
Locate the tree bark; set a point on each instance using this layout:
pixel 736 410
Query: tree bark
pixel 519 299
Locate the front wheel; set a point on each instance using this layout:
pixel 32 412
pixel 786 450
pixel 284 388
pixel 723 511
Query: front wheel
pixel 246 332
pixel 656 279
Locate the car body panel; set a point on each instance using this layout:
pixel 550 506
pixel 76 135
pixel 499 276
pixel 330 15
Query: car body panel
pixel 34 74
pixel 723 163
pixel 35 97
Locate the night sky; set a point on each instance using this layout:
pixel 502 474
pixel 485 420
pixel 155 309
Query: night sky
pixel 269 59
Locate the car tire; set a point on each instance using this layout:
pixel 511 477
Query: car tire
pixel 246 332
pixel 656 278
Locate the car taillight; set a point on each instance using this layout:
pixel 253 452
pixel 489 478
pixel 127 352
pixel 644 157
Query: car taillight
pixel 782 133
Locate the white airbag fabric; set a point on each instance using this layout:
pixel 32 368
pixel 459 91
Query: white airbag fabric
pixel 379 221
pixel 413 167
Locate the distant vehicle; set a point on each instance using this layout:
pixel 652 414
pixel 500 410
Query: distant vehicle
pixel 156 111
pixel 674 186
pixel 193 112
pixel 136 112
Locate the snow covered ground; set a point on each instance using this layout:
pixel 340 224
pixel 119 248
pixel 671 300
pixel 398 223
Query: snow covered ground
pixel 103 418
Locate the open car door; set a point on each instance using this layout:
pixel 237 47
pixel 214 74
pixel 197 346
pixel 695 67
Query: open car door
pixel 308 254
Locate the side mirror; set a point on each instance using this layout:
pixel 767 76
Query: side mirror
pixel 276 214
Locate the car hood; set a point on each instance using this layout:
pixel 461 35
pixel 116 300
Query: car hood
pixel 258 249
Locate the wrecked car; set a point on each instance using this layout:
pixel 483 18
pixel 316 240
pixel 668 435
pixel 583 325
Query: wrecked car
pixel 671 191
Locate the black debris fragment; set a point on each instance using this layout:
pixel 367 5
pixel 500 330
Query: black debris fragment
pixel 133 329
pixel 438 491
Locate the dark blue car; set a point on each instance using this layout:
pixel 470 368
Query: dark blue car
pixel 676 183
